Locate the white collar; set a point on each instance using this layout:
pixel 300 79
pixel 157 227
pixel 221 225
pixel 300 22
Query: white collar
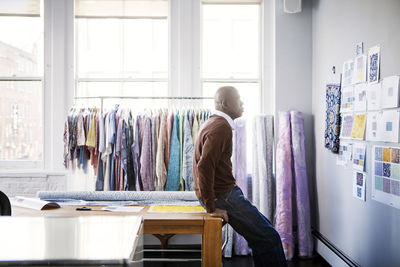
pixel 226 117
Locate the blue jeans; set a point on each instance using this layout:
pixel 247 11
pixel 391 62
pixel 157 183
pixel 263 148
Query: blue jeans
pixel 245 219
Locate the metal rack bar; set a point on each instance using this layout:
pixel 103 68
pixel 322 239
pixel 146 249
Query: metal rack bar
pixel 142 97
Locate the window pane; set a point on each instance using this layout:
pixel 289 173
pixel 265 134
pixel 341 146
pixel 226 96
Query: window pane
pixel 122 48
pixel 21 46
pixel 249 94
pixel 231 37
pixel 21 120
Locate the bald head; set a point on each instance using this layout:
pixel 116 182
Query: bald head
pixel 227 100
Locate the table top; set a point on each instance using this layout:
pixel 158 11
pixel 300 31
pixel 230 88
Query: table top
pixel 86 238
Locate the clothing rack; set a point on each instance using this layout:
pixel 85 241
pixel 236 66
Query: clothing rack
pixel 142 97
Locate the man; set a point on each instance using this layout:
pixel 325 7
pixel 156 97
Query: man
pixel 216 188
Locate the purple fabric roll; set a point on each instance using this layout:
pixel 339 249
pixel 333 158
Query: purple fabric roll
pixel 301 181
pixel 146 159
pixel 240 172
pixel 283 222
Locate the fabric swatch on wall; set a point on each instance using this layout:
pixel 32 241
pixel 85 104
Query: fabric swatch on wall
pixel 373 64
pixel 358 130
pixel 395 187
pixel 348 72
pixel 347 99
pixel 347 126
pixel 332 130
pixel 360 69
pixel 386 169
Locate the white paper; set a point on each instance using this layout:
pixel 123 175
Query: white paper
pixel 347 99
pixel 347 126
pixel 348 72
pixel 359 180
pixel 359 156
pixel 123 208
pixel 373 127
pixel 360 97
pixel 373 64
pixel 33 203
pixel 389 125
pixel 390 92
pixel 345 154
pixel 360 69
pixel 374 92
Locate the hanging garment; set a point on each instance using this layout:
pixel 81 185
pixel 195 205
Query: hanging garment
pixel 255 156
pixel 182 114
pixel 305 240
pixel 146 158
pixel 284 185
pixel 135 150
pixel 170 124
pixel 173 179
pixel 161 170
pixel 153 147
pixel 188 153
pixel 332 130
pixel 195 127
pixel 107 153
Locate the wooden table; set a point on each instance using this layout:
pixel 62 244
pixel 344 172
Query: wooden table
pixel 158 223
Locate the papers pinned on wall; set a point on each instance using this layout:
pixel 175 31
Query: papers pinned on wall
pixel 360 69
pixel 373 129
pixel 358 130
pixel 373 64
pixel 359 156
pixel 390 92
pixel 347 100
pixel 359 180
pixel 345 154
pixel 347 126
pixel 386 175
pixel 374 96
pixel 389 126
pixel 348 73
pixel 360 97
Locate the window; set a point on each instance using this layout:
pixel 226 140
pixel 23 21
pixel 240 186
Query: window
pixel 21 80
pixel 231 49
pixel 121 50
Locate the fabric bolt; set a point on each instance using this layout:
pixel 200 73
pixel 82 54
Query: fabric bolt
pixel 188 152
pixel 305 240
pixel 161 170
pixel 240 173
pixel 333 120
pixel 173 179
pixel 284 184
pixel 146 158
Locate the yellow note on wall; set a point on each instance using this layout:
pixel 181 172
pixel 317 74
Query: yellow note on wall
pixel 358 130
pixel 179 209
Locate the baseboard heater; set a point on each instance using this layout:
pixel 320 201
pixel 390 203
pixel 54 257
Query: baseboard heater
pixel 334 249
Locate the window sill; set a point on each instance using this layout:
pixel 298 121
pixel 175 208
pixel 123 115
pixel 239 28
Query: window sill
pixel 31 173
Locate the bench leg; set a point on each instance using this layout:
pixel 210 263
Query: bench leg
pixel 211 252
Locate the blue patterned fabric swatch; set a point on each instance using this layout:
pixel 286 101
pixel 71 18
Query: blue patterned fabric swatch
pixel 395 187
pixel 386 185
pixel 386 169
pixel 378 183
pixel 332 130
pixel 378 153
pixel 378 168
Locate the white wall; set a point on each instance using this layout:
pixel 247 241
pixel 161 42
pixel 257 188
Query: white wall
pixel 368 232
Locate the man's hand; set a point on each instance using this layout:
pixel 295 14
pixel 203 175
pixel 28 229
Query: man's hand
pixel 221 214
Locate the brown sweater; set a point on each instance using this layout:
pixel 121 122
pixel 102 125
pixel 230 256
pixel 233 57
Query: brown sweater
pixel 212 165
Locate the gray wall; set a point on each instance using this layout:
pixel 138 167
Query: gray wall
pixel 369 232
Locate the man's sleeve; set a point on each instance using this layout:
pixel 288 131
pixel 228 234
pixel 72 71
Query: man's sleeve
pixel 211 153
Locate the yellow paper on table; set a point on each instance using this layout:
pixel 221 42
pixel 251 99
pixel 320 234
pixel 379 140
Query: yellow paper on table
pixel 179 209
pixel 358 130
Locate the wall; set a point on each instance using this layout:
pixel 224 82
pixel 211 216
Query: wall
pixel 368 232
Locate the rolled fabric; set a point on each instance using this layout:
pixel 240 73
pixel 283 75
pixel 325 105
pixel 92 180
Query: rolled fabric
pixel 283 223
pixel 240 173
pixel 300 173
pixel 118 195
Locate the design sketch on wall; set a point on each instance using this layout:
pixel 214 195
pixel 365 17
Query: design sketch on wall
pixel 373 129
pixel 359 180
pixel 347 126
pixel 386 175
pixel 374 96
pixel 360 69
pixel 358 130
pixel 390 92
pixel 389 126
pixel 347 100
pixel 345 153
pixel 348 73
pixel 359 156
pixel 373 64
pixel 360 97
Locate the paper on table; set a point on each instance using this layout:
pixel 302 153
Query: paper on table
pixel 177 209
pixel 359 156
pixel 360 97
pixel 347 126
pixel 33 203
pixel 360 69
pixel 390 92
pixel 373 64
pixel 374 92
pixel 389 125
pixel 345 153
pixel 123 208
pixel 358 130
pixel 373 129
pixel 359 180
